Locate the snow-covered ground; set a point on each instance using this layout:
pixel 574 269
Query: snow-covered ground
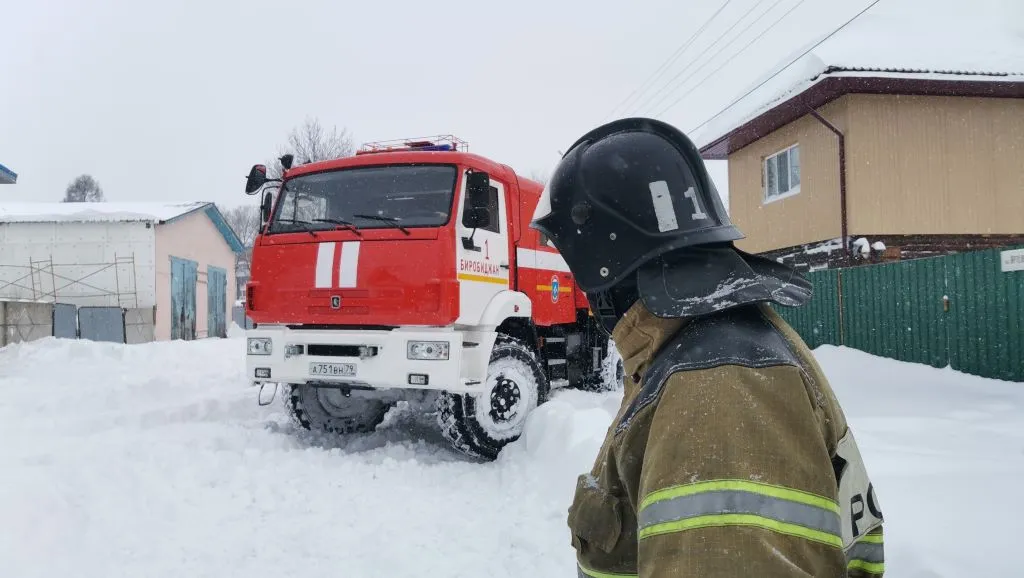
pixel 155 460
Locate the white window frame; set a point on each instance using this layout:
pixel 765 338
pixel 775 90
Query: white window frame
pixel 792 190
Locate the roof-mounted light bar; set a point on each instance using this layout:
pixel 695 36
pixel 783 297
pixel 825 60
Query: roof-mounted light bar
pixel 440 143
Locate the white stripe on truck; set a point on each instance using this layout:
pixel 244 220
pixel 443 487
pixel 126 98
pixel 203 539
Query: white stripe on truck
pixel 349 264
pixel 532 259
pixel 324 265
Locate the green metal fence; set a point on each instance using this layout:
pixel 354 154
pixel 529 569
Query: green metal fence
pixel 986 316
pixel 818 321
pixel 960 310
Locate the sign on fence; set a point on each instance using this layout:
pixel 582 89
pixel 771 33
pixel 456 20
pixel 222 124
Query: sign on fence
pixel 1013 260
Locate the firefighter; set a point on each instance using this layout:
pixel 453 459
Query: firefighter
pixel 730 455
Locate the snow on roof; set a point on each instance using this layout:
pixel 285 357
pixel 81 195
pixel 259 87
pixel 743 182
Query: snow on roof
pixel 95 212
pixel 880 46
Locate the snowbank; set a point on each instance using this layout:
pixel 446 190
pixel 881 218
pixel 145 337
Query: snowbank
pixel 154 460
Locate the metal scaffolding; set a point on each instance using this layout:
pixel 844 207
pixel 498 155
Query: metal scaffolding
pixel 47 281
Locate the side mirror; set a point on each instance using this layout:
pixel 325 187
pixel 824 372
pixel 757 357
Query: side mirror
pixel 266 207
pixel 478 192
pixel 476 218
pixel 478 187
pixel 257 178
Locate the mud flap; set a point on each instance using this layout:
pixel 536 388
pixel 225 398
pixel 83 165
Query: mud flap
pixel 273 393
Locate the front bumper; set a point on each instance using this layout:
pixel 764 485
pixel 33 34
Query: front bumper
pixel 383 364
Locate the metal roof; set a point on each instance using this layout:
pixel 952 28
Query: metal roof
pixel 156 213
pixel 874 47
pixel 7 176
pixel 95 212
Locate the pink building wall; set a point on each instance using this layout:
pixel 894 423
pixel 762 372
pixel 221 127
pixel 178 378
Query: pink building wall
pixel 196 238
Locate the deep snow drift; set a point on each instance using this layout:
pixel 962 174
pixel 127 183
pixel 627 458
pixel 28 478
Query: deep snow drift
pixel 155 460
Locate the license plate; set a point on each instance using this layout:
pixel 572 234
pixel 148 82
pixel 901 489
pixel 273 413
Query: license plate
pixel 332 369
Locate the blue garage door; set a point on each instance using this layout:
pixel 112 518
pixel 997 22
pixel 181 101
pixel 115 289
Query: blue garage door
pixel 216 302
pixel 184 275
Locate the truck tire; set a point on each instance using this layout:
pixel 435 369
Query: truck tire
pixel 480 425
pixel 329 411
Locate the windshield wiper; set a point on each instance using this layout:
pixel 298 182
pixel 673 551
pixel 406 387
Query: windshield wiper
pixel 306 225
pixel 394 220
pixel 340 223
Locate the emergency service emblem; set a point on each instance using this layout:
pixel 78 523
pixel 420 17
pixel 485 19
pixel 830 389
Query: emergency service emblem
pixel 858 504
pixel 554 288
pixel 335 301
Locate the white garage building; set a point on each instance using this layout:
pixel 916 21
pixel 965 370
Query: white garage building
pixel 171 267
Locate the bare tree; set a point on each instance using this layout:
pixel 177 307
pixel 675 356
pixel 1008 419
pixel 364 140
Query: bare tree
pixel 311 142
pixel 83 189
pixel 245 221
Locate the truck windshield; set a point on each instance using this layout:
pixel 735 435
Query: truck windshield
pixel 367 197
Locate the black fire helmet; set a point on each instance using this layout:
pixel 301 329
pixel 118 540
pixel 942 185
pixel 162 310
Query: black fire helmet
pixel 626 193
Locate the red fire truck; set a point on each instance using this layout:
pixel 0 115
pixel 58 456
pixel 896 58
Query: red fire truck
pixel 409 272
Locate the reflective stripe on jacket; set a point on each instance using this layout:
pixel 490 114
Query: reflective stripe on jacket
pixel 730 456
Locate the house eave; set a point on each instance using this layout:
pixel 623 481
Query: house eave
pixel 7 176
pixel 833 87
pixel 218 220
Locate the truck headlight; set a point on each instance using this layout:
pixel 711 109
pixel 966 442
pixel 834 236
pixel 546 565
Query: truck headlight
pixel 260 345
pixel 427 350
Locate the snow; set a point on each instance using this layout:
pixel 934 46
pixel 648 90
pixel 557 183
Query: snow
pixel 155 460
pixel 94 212
pixel 827 247
pixel 881 46
pixel 878 246
pixel 861 246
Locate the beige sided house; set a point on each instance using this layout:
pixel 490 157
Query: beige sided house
pixel 905 142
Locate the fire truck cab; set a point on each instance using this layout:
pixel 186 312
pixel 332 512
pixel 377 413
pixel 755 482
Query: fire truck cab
pixel 409 272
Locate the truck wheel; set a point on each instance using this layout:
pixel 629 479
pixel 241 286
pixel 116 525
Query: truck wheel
pixel 328 410
pixel 481 424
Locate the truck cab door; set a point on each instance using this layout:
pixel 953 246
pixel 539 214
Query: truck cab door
pixel 482 258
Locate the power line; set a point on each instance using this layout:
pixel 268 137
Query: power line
pixel 699 57
pixel 765 81
pixel 731 58
pixel 668 62
pixel 713 56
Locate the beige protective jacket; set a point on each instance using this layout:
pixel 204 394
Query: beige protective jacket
pixel 730 456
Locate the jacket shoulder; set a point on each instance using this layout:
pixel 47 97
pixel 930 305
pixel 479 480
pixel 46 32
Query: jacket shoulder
pixel 743 336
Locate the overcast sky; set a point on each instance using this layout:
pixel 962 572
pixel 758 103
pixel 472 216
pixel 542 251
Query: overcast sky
pixel 176 100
